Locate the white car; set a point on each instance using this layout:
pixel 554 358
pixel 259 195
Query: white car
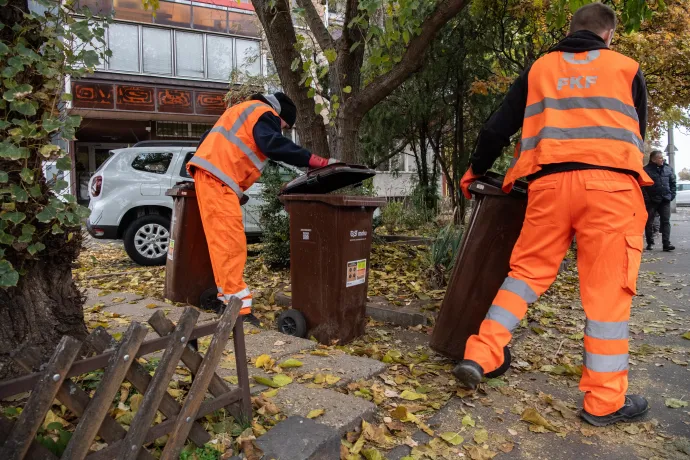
pixel 683 193
pixel 128 200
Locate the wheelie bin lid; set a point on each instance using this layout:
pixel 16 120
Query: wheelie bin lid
pixel 328 179
pixel 185 188
pixel 491 183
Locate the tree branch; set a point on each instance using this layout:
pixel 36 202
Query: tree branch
pixel 411 61
pixel 316 25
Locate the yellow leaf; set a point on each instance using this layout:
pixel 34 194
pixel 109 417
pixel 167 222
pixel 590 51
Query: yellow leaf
pixel 452 438
pixel 373 454
pixel 319 353
pixel 481 436
pixel 263 361
pixel 151 306
pixel 412 396
pixel 281 380
pixel 530 415
pixel 401 413
pixel 319 379
pixel 332 379
pixel 135 402
pixel 356 449
pixel 316 413
pixel 232 379
pixel 290 363
pixel 265 381
pixel 686 335
pixel 269 393
pixel 52 418
pixel 467 420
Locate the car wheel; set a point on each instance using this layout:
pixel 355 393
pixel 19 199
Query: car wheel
pixel 146 239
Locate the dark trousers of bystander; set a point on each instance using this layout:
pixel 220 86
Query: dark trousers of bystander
pixel 664 210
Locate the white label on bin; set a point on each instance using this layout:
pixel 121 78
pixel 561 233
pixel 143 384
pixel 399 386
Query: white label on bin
pixel 358 235
pixel 356 272
pixel 305 233
pixel 171 249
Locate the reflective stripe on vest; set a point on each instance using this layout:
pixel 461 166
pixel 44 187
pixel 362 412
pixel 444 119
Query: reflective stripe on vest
pixel 503 317
pixel 586 132
pixel 519 288
pixel 231 136
pixel 206 165
pixel 568 103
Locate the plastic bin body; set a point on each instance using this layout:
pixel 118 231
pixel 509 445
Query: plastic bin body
pixel 330 243
pixel 482 264
pixel 188 270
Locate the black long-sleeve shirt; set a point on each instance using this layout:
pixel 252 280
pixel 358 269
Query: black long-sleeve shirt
pixel 507 120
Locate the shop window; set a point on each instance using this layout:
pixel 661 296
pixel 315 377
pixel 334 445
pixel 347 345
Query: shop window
pixel 153 162
pixel 97 7
pixel 132 10
pixel 157 51
pixel 189 49
pixel 123 41
pixel 248 56
pixel 220 48
pixel 244 24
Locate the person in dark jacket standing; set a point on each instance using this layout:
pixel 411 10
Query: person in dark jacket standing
pixel 658 197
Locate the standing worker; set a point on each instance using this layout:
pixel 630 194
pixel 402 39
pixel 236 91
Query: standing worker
pixel 658 199
pixel 230 158
pixel 583 112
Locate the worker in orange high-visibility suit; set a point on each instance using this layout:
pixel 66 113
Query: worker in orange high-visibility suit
pixel 230 158
pixel 582 109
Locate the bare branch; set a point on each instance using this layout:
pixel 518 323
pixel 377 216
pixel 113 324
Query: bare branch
pixel 412 60
pixel 316 25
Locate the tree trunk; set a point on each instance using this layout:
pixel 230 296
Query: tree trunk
pixel 45 304
pixel 280 33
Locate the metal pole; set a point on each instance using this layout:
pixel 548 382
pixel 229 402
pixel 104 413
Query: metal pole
pixel 671 158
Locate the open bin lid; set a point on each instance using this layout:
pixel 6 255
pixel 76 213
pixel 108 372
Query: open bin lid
pixel 491 183
pixel 328 179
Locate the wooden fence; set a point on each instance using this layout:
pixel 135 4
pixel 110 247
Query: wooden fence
pixel 119 361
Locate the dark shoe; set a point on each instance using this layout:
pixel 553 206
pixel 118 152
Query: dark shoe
pixel 650 246
pixel 251 319
pixel 504 367
pixel 468 373
pixel 634 408
pixel 669 248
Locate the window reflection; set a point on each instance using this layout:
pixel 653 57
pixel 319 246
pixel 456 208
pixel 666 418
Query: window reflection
pixel 174 14
pixel 132 10
pixel 210 19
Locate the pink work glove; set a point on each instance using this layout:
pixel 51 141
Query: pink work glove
pixel 318 162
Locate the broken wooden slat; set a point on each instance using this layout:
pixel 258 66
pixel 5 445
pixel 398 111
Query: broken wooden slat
pixel 28 382
pixel 96 411
pixel 164 428
pixel 242 371
pixel 76 400
pixel 36 450
pixel 159 384
pixel 41 398
pixel 201 381
pixel 190 357
pixel 139 377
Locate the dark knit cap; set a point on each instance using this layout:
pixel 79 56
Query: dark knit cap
pixel 282 104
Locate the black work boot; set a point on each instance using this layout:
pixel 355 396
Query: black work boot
pixel 650 246
pixel 251 319
pixel 669 247
pixel 470 373
pixel 634 408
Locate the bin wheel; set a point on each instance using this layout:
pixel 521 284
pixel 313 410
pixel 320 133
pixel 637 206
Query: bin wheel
pixel 504 367
pixel 292 322
pixel 209 301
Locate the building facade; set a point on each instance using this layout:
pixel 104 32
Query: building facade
pixel 166 79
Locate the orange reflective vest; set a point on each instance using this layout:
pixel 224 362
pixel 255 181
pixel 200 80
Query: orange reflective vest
pixel 229 151
pixel 580 109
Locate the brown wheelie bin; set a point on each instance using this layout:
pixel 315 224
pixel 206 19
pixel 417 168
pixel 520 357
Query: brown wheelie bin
pixel 330 243
pixel 482 263
pixel 188 272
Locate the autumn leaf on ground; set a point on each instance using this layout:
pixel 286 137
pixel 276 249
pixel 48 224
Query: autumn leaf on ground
pixel 675 403
pixel 135 402
pixel 278 381
pixel 290 363
pixel 263 361
pixel 412 396
pixel 467 420
pixel 477 453
pixel 332 379
pixel 530 415
pixel 232 379
pixel 452 438
pixel 52 418
pixel 151 306
pixel 686 335
pixel 481 436
pixel 316 413
pixel 373 454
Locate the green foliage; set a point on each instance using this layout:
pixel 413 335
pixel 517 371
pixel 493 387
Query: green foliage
pixel 443 253
pixel 274 221
pixel 36 55
pixel 54 438
pixel 199 453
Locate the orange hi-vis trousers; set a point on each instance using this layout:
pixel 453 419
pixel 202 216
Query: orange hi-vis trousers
pixel 605 211
pixel 221 217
